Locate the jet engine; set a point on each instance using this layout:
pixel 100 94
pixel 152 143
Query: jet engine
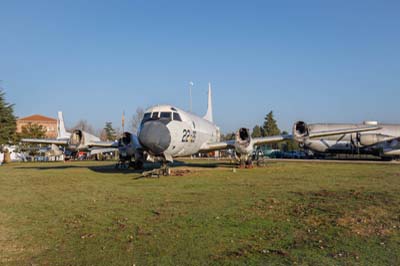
pixel 366 140
pixel 300 131
pixel 79 140
pixel 126 146
pixel 244 146
pixel 129 152
pixel 243 141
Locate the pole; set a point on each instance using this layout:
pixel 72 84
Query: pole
pixel 190 94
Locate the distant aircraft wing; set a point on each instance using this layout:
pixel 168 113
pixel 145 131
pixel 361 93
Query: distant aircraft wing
pixel 102 150
pixel 46 141
pixel 103 144
pixel 325 133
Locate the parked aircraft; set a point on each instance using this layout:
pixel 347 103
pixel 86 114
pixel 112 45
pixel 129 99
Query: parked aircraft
pixel 367 138
pixel 167 132
pixel 77 140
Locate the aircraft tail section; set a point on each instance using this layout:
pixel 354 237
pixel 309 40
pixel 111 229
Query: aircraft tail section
pixel 61 132
pixel 209 114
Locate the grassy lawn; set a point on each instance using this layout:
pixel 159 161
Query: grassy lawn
pixel 86 213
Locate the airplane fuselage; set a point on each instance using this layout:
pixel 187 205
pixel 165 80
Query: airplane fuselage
pixel 377 142
pixel 172 132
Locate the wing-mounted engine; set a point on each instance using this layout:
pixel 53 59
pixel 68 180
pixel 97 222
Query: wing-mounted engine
pixel 80 140
pixel 76 140
pixel 126 144
pixel 244 147
pixel 366 140
pixel 300 131
pixel 359 140
pixel 243 142
pixel 129 150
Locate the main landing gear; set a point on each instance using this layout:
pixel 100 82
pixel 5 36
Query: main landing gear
pixel 164 170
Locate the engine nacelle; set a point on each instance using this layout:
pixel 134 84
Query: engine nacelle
pixel 366 140
pixel 243 142
pixel 127 145
pixel 76 140
pixel 79 140
pixel 300 131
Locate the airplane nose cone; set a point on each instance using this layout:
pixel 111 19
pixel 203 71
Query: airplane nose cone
pixel 155 137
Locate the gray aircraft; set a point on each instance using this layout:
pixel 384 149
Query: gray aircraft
pixel 369 137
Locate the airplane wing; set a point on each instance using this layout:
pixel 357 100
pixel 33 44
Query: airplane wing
pixel 230 144
pixel 46 141
pixel 103 144
pixel 271 139
pixel 102 150
pixel 325 133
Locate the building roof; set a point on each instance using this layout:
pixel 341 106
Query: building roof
pixel 38 118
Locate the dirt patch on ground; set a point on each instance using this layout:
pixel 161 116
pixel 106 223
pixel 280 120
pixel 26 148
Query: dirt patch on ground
pixel 367 222
pixel 362 213
pixel 180 172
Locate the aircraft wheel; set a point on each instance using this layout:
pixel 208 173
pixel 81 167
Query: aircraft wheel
pixel 138 165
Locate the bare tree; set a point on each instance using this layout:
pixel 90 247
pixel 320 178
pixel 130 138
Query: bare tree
pixel 136 119
pixel 84 126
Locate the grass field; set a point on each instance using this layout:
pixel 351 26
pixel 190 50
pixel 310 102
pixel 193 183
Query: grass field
pixel 86 213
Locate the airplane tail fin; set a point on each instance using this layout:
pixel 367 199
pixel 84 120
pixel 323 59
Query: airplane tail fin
pixel 209 114
pixel 61 132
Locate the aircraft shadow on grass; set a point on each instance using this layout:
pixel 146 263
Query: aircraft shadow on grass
pixel 111 169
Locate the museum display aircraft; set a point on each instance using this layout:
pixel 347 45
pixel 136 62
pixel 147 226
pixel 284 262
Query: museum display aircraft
pixel 167 132
pixel 77 140
pixel 369 137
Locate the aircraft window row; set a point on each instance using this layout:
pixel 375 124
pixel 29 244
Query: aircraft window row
pixel 177 117
pixel 163 115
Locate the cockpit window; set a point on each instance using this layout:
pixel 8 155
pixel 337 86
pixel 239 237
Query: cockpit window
pixel 155 115
pixel 165 115
pixel 146 116
pixel 177 117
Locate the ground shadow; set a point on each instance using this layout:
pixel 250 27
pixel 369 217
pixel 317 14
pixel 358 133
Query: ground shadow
pixel 112 169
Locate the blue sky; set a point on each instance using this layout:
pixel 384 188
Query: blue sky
pixel 320 61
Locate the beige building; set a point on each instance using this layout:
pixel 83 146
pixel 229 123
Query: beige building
pixel 49 123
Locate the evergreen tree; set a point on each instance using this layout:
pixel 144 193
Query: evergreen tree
pixel 257 132
pixel 110 131
pixel 270 128
pixel 7 121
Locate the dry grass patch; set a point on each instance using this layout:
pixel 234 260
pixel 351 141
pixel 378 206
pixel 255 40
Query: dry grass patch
pixel 370 221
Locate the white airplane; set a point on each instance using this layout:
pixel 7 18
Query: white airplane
pixel 167 132
pixel 78 140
